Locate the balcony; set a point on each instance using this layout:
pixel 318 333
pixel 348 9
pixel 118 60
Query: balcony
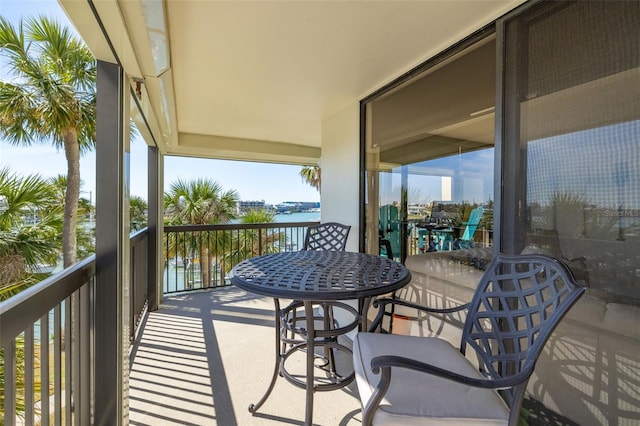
pixel 245 89
pixel 207 352
pixel 204 356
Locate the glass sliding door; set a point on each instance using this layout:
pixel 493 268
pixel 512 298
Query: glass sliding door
pixel 571 172
pixel 573 133
pixel 429 149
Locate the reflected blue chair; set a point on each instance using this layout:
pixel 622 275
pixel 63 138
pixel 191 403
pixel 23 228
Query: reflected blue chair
pixel 472 223
pixel 389 226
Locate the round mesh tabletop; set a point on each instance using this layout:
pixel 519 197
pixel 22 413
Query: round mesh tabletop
pixel 320 275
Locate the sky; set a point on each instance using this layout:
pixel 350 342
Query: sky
pixel 272 183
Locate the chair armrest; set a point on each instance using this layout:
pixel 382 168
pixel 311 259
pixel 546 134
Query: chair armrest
pixel 382 303
pixel 385 362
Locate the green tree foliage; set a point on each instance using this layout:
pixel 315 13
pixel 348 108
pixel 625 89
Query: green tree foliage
pixel 30 229
pixel 199 202
pixel 50 99
pixel 312 176
pixel 254 242
pixel 258 216
pixel 138 213
pixel 85 232
pixel 19 376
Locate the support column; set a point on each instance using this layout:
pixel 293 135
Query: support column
pixel 111 321
pixel 155 170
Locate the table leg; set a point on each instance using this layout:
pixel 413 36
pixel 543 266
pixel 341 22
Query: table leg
pixel 363 309
pixel 328 351
pixel 308 309
pixel 276 368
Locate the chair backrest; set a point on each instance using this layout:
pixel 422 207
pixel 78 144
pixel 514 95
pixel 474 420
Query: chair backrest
pixel 472 224
pixel 330 236
pixel 514 310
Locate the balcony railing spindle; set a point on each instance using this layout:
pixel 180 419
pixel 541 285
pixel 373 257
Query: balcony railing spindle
pixel 44 367
pixel 225 245
pixel 46 340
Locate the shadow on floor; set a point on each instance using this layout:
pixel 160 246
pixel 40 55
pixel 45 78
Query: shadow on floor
pixel 204 356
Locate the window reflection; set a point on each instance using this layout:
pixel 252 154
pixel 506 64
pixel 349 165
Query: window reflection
pixel 440 198
pixel 588 193
pixel 430 158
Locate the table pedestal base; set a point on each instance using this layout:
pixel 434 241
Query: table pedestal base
pixel 325 338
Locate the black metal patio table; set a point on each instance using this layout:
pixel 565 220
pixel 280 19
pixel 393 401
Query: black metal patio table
pixel 314 277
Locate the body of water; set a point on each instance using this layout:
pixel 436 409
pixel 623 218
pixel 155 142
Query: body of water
pixel 298 217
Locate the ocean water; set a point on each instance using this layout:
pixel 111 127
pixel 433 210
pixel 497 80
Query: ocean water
pixel 298 217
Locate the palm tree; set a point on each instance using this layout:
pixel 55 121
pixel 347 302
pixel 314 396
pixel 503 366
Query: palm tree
pixel 85 241
pixel 270 242
pixel 50 99
pixel 312 176
pixel 258 216
pixel 86 210
pixel 254 242
pixel 200 202
pixel 138 212
pixel 30 228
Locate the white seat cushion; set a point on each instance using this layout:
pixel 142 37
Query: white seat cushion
pixel 417 398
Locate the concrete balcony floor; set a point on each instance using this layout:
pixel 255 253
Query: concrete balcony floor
pixel 204 356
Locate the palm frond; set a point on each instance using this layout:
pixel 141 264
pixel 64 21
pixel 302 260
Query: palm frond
pixel 53 96
pixel 18 118
pixel 199 201
pixel 312 176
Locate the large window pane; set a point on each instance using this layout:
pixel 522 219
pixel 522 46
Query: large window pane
pixel 578 125
pixel 585 188
pixel 572 189
pixel 429 151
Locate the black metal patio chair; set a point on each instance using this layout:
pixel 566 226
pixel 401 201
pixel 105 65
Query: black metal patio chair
pixel 329 236
pixel 413 380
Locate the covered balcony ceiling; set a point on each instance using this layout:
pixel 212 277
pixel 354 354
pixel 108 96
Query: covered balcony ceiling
pixel 254 80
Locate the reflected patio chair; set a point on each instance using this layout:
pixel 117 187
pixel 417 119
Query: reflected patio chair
pixel 389 225
pixel 472 223
pixel 547 241
pixel 385 245
pixel 413 380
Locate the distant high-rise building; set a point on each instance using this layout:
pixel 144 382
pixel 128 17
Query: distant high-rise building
pixel 296 206
pixel 245 206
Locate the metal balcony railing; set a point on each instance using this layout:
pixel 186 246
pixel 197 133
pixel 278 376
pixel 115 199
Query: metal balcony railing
pixel 201 256
pixel 46 344
pixel 46 349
